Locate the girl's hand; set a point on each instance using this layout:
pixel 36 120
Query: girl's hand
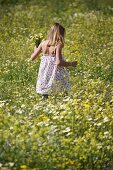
pixel 74 63
pixel 37 51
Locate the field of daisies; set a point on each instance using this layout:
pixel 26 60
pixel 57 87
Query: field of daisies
pixel 74 132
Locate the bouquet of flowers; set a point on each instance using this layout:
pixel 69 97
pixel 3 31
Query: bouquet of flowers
pixel 38 38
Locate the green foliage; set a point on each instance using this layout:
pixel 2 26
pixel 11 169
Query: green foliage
pixel 64 133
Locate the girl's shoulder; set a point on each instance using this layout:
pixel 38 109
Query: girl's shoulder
pixel 59 45
pixel 44 42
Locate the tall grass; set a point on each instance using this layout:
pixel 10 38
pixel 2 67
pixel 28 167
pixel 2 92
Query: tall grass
pixel 73 132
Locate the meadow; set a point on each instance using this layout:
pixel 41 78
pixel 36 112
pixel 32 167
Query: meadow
pixel 74 132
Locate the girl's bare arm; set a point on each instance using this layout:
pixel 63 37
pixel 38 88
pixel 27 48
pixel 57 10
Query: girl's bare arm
pixel 36 52
pixel 59 60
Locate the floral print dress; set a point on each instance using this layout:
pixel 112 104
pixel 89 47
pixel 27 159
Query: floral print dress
pixel 52 78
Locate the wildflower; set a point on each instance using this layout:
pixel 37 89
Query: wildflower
pixel 23 167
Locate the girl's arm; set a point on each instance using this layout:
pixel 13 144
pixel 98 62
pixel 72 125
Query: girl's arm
pixel 36 52
pixel 59 60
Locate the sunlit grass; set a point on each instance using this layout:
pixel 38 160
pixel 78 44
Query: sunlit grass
pixel 72 132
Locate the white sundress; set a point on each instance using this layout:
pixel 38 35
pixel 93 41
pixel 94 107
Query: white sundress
pixel 51 78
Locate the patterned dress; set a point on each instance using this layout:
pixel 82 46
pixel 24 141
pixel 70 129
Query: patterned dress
pixel 52 78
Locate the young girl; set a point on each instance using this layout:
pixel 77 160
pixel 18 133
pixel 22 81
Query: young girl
pixel 52 76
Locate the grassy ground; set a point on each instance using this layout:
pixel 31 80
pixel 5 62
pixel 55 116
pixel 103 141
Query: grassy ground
pixel 70 133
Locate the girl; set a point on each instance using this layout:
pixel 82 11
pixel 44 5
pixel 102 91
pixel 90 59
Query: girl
pixel 52 76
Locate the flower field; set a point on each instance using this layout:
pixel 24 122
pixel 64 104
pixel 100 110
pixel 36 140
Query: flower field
pixel 74 132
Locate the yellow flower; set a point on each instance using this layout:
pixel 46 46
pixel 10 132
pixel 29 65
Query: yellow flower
pixel 70 162
pixel 23 167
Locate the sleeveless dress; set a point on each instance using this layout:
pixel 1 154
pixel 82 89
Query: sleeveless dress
pixel 52 79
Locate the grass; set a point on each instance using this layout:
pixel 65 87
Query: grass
pixel 70 133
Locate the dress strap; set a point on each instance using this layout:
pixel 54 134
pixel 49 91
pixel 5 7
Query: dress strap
pixel 55 50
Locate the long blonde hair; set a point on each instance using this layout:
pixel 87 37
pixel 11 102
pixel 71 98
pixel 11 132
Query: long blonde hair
pixel 56 35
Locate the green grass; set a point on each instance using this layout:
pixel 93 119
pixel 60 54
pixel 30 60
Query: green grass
pixel 70 133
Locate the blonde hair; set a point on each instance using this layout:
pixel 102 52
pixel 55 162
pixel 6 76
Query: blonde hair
pixel 56 35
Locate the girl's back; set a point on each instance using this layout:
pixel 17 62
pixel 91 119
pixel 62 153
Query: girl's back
pixel 48 49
